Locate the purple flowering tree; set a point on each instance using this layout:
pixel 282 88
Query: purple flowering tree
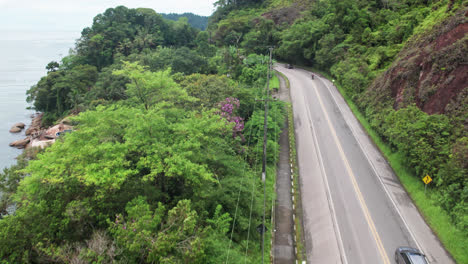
pixel 228 109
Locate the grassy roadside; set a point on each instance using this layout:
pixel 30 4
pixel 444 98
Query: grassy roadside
pixel 439 221
pixel 274 83
pixel 299 237
pixel 285 79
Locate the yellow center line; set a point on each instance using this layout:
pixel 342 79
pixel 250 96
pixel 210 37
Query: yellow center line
pixel 367 215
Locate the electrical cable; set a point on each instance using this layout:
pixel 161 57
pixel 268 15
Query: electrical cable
pixel 251 201
pixel 265 130
pixel 240 186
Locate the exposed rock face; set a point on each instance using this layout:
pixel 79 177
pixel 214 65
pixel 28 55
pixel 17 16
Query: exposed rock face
pixel 52 131
pixel 285 15
pixel 22 143
pixel 431 71
pixel 42 143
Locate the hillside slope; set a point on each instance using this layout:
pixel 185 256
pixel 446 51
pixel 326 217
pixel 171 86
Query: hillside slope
pixel 196 21
pixel 429 72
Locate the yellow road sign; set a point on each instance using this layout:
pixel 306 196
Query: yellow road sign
pixel 427 179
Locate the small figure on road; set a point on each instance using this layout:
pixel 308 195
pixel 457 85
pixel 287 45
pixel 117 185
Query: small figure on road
pixel 312 76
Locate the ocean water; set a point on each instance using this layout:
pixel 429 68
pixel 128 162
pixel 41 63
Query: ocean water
pixel 23 57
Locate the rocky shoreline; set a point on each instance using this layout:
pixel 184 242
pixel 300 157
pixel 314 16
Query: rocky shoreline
pixel 38 136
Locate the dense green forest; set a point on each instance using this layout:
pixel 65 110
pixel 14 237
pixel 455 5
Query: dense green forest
pixel 196 21
pixel 402 63
pixel 162 166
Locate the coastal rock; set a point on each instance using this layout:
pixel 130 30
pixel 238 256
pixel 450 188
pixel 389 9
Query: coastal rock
pixel 52 131
pixel 20 143
pixel 20 125
pixel 50 136
pixel 39 136
pixel 42 143
pixel 30 131
pixel 35 126
pixel 15 130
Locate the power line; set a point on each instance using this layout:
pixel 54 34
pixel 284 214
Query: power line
pixel 252 192
pixel 273 216
pixel 240 186
pixel 263 169
pixel 265 128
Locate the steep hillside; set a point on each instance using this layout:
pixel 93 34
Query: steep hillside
pixel 196 21
pixel 286 14
pixel 431 71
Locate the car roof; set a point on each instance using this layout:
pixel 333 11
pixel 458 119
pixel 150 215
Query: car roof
pixel 413 255
pixel 416 258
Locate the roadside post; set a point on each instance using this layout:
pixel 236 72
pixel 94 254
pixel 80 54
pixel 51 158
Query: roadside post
pixel 427 179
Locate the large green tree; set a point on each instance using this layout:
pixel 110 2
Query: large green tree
pixel 115 155
pixel 149 88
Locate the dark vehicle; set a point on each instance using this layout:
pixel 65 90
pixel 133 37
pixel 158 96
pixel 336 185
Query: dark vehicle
pixel 407 255
pixel 289 66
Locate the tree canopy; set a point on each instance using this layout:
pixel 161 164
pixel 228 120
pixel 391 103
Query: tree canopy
pixel 160 167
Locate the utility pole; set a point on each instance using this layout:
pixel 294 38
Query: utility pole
pixel 265 127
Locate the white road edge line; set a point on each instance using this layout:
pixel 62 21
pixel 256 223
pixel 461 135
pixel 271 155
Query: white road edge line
pixel 325 179
pixel 373 167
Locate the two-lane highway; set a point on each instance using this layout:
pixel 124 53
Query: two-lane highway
pixel 350 216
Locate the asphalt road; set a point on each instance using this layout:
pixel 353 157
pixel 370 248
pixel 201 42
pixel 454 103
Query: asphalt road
pixel 354 208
